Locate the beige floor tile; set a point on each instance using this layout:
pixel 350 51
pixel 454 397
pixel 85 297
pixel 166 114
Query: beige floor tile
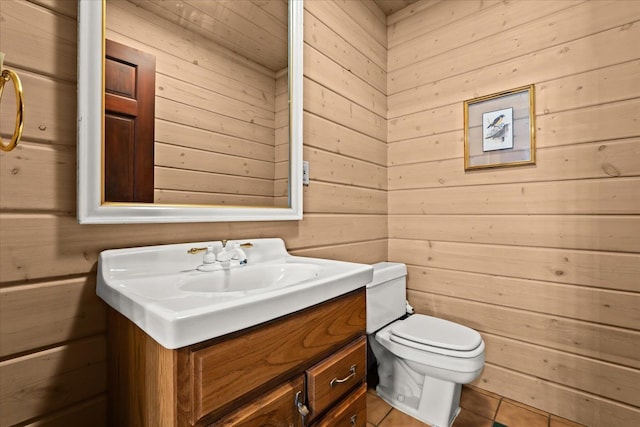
pixel 516 415
pixel 470 419
pixel 370 425
pixel 377 408
pixel 480 403
pixel 400 419
pixel 561 422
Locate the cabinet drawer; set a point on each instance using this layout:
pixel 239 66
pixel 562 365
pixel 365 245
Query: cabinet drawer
pixel 335 376
pixel 226 370
pixel 276 408
pixel 351 412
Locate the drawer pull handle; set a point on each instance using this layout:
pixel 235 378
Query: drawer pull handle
pixel 302 408
pixel 354 420
pixel 345 379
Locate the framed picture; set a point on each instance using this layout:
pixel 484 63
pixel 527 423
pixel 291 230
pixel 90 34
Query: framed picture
pixel 499 129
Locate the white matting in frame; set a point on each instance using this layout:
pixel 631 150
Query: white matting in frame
pixel 499 129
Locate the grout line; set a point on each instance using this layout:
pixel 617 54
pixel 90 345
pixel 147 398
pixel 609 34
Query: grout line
pixel 495 415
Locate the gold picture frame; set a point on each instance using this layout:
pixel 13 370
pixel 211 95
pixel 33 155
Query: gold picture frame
pixel 499 129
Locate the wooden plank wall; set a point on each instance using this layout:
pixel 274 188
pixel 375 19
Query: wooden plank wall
pixel 52 329
pixel 543 260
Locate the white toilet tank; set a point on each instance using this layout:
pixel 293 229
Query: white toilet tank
pixel 386 295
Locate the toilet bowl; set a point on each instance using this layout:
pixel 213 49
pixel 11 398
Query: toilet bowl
pixel 422 360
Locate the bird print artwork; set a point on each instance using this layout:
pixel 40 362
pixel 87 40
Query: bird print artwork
pixel 496 121
pixel 500 132
pixel 497 130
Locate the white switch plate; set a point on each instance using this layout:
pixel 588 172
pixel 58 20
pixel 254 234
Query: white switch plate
pixel 305 172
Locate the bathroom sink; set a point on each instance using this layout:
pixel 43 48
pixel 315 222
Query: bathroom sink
pixel 250 278
pixel 161 289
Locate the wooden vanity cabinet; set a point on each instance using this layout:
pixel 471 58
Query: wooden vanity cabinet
pixel 248 378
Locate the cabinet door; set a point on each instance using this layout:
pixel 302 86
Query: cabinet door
pixel 351 412
pixel 335 376
pixel 274 409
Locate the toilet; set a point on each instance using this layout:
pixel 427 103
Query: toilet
pixel 422 360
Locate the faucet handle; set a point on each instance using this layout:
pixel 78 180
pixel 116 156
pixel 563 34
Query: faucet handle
pixel 209 256
pixel 194 251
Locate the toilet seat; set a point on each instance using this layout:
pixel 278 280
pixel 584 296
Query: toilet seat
pixel 454 362
pixel 438 350
pixel 435 335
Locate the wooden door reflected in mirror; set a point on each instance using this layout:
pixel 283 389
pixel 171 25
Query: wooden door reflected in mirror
pixel 129 85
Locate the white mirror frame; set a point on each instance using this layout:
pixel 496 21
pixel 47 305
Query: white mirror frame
pixel 91 210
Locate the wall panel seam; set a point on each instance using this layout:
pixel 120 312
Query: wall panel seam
pixel 483 39
pixel 336 245
pixel 549 316
pixel 509 59
pixel 550 282
pixel 595 289
pixel 51 9
pixel 526 310
pixel 40 351
pixel 629 139
pixel 350 100
pixel 567 387
pixel 504 245
pixel 51 417
pixel 382 66
pixel 399 22
pixel 346 156
pixel 309 46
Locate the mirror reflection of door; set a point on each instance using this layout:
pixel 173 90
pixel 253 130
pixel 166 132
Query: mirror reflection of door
pixel 129 124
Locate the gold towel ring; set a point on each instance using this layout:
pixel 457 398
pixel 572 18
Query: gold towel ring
pixel 17 132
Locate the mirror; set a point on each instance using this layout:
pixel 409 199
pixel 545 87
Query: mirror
pixel 201 166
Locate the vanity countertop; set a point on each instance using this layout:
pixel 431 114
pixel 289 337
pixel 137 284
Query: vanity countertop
pixel 161 290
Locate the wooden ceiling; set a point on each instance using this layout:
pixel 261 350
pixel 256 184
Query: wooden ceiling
pixel 254 29
pixel 392 6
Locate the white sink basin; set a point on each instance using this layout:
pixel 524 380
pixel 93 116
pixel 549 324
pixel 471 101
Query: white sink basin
pixel 160 289
pixel 250 278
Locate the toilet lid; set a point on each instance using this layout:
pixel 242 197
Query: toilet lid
pixel 436 332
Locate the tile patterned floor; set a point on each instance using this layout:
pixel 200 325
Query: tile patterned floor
pixel 479 409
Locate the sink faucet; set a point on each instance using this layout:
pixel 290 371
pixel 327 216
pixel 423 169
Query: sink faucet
pixel 234 253
pixel 212 261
